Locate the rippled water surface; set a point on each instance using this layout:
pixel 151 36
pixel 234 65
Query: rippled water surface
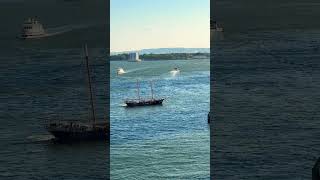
pixel 161 142
pixel 266 105
pixel 44 79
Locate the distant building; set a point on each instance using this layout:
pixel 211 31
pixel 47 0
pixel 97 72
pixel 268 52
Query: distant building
pixel 134 56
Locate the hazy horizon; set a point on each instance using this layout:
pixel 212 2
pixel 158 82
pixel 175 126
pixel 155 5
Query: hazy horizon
pixel 137 50
pixel 137 25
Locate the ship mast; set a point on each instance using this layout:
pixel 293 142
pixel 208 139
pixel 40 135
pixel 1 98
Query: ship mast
pixel 151 90
pixel 90 87
pixel 138 90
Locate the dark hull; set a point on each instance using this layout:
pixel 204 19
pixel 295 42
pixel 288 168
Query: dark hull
pixel 79 136
pixel 71 131
pixel 144 103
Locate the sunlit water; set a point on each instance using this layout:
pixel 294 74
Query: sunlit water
pixel 161 142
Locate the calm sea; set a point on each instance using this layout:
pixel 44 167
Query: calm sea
pixel 265 90
pixel 161 142
pixel 266 105
pixel 45 79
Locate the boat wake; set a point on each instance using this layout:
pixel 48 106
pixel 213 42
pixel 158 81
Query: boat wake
pixel 121 71
pixel 135 70
pixel 40 138
pixel 174 73
pixel 65 29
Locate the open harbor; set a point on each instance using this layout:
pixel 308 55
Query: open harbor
pixel 161 142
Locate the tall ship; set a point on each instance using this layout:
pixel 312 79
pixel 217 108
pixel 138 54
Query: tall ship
pixel 144 101
pixel 32 28
pixel 76 130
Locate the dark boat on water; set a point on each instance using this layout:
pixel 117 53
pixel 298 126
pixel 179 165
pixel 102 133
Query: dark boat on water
pixel 77 131
pixel 214 26
pixel 143 102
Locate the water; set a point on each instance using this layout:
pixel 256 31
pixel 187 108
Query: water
pixel 45 79
pixel 266 104
pixel 160 142
pixel 265 90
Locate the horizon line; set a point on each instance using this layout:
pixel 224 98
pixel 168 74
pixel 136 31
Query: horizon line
pixel 161 48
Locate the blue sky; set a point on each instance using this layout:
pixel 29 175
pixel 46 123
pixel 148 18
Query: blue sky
pixel 141 24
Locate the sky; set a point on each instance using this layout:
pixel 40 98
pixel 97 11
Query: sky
pixel 144 24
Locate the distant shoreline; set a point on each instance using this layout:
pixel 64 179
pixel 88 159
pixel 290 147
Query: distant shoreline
pixel 168 56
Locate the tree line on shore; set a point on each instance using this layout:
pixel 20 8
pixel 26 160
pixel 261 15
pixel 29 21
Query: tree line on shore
pixel 170 56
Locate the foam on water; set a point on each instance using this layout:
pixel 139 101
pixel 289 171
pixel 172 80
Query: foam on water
pixel 64 29
pixel 40 138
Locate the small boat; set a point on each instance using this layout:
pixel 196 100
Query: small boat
pixel 76 130
pixel 120 71
pixel 175 70
pixel 32 28
pixel 143 102
pixel 215 27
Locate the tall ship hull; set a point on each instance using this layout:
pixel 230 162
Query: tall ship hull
pixel 79 136
pixel 70 131
pixel 132 103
